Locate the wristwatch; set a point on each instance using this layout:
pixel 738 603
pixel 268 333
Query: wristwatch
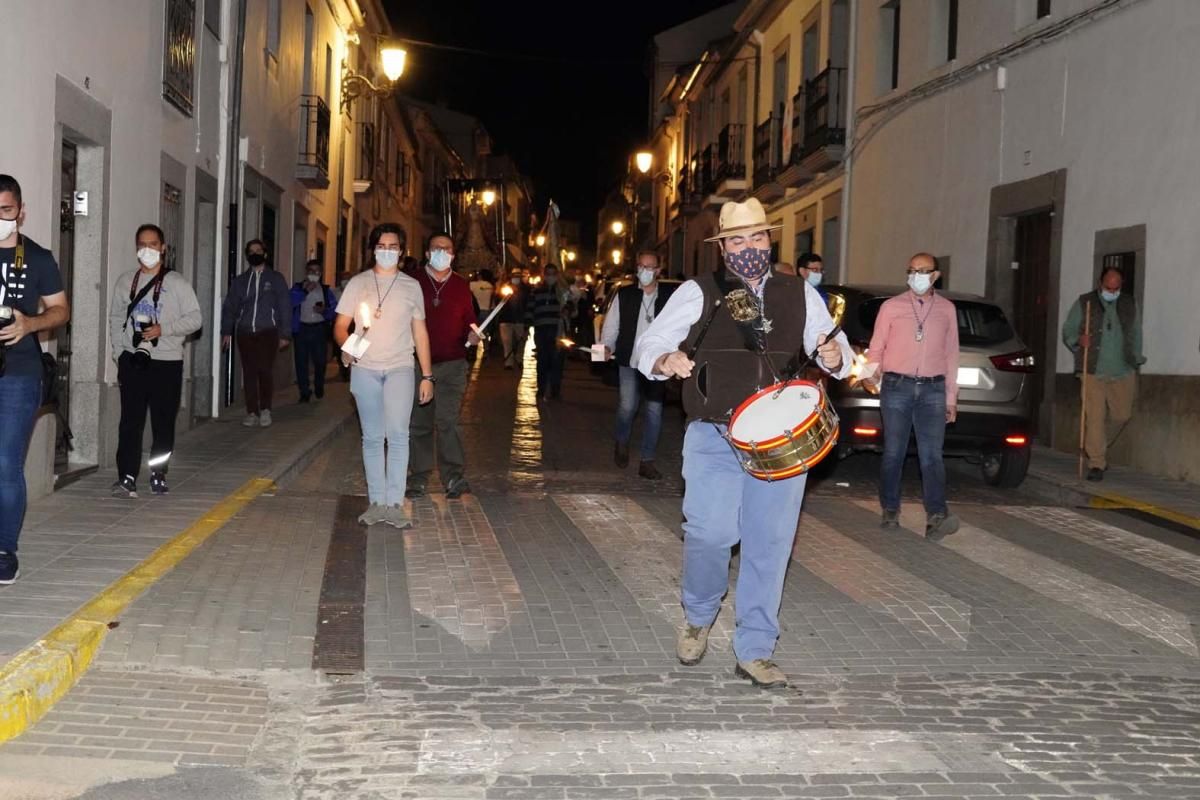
pixel 429 378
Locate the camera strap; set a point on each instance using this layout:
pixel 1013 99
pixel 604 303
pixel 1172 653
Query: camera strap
pixel 134 299
pixel 17 266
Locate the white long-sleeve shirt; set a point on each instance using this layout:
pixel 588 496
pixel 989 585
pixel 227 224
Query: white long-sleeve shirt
pixel 611 330
pixel 685 307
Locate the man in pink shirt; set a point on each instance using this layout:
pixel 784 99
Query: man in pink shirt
pixel 915 347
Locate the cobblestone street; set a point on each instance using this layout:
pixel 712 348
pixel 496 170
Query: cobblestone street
pixel 519 643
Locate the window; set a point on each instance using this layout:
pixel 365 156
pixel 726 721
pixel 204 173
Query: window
pixel 1127 263
pixel 1043 8
pixel 212 17
pixel 179 54
pixel 943 32
pixel 806 242
pixel 274 20
pixel 781 83
pixel 328 74
pixel 888 63
pixel 979 324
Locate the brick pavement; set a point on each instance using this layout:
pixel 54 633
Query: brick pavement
pixel 519 644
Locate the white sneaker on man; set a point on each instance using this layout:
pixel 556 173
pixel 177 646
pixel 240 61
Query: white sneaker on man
pixel 250 421
pixel 264 418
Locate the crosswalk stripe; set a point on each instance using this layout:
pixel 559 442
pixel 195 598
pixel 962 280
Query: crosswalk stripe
pixel 877 583
pixel 1064 584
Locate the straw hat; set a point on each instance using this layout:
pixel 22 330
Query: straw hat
pixel 742 219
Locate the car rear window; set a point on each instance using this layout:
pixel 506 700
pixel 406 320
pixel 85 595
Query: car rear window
pixel 979 324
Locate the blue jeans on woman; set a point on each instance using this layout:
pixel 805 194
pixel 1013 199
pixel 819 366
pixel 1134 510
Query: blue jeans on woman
pixel 723 505
pixel 385 400
pixel 634 389
pixel 20 396
pixel 907 404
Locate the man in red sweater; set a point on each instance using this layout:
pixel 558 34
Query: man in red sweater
pixel 449 314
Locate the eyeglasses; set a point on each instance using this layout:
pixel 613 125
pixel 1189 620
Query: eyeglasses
pixel 912 271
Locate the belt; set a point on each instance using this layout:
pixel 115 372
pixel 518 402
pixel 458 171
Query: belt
pixel 314 324
pixel 916 378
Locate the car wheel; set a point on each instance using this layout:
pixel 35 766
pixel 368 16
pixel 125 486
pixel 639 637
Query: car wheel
pixel 1006 468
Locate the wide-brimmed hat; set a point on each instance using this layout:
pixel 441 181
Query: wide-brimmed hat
pixel 741 219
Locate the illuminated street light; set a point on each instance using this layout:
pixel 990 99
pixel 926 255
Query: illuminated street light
pixel 489 197
pixel 644 161
pixel 393 63
pixel 616 257
pixel 618 227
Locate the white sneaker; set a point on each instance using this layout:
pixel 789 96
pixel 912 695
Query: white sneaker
pixel 251 421
pixel 264 418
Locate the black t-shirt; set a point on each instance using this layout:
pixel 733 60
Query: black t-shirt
pixel 22 289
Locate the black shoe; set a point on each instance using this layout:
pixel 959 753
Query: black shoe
pixel 125 487
pixel 320 395
pixel 10 570
pixel 304 398
pixel 1095 474
pixel 414 491
pixel 158 483
pixel 621 455
pixel 648 471
pixel 457 488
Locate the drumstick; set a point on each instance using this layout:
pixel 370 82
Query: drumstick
pixel 691 354
pixel 811 357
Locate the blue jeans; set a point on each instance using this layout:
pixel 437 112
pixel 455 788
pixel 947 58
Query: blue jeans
pixel 385 400
pixel 633 390
pixel 550 359
pixel 723 505
pixel 20 396
pixel 907 405
pixel 311 344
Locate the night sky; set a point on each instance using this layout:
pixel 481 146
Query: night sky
pixel 570 121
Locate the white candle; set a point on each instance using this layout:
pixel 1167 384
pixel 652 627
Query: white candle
pixel 364 311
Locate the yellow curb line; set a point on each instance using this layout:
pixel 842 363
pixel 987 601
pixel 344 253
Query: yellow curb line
pixel 1110 501
pixel 38 676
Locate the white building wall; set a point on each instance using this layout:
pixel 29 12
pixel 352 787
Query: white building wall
pixel 1115 103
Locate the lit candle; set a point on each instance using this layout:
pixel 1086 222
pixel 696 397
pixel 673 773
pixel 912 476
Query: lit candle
pixel 506 292
pixel 364 311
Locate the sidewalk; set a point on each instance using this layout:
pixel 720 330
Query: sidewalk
pixel 1054 476
pixel 78 541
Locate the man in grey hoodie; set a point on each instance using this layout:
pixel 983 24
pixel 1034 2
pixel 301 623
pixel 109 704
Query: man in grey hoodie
pixel 259 309
pixel 153 311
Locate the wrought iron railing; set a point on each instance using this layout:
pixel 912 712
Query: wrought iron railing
pixel 314 133
pixel 825 110
pixel 768 147
pixel 731 153
pixel 179 54
pixel 797 123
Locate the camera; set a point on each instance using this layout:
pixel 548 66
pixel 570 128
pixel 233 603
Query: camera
pixel 142 347
pixel 6 318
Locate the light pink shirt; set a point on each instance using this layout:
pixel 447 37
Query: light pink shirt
pixel 894 344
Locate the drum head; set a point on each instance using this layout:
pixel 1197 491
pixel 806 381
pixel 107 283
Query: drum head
pixel 767 416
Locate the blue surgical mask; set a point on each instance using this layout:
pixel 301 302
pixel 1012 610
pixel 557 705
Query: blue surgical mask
pixel 646 276
pixel 440 260
pixel 814 279
pixel 1108 296
pixel 388 259
pixel 920 283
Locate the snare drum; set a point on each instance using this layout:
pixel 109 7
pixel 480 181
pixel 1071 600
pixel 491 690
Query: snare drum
pixel 784 430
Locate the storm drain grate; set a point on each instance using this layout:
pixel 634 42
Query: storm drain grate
pixel 339 645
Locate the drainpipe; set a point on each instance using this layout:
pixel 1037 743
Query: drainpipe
pixel 228 194
pixel 851 78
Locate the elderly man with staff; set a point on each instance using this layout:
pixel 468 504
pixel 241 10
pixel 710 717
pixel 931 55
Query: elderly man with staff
pixel 737 338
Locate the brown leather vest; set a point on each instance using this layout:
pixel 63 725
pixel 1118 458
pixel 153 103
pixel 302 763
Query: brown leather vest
pixel 726 372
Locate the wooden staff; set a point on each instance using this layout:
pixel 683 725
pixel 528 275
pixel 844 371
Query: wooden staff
pixel 1087 335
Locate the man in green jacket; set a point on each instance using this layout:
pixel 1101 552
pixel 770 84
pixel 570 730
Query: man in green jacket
pixel 1113 344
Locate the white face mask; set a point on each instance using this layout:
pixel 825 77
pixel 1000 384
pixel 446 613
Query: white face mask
pixel 440 260
pixel 920 283
pixel 313 277
pixel 646 276
pixel 388 259
pixel 149 257
pixel 814 279
pixel 7 228
pixel 516 281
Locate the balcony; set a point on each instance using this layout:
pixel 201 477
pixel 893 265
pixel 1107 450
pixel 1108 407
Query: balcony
pixel 768 158
pixel 365 173
pixel 824 141
pixel 793 172
pixel 729 171
pixel 312 168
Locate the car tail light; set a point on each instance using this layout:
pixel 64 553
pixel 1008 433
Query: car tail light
pixel 866 431
pixel 1016 441
pixel 1023 361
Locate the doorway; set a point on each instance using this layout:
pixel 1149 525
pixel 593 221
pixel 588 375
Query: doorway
pixel 66 264
pixel 1031 283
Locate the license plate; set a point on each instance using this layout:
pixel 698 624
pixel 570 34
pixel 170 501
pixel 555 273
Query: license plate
pixel 968 376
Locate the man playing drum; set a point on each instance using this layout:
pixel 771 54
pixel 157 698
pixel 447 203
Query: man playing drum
pixel 729 335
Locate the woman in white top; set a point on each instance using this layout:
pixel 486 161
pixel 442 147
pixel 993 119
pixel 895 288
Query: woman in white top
pixel 388 311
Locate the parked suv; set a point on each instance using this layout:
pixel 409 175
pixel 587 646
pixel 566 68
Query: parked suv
pixel 994 385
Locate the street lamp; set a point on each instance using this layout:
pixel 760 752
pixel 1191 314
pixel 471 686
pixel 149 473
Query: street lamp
pixel 489 197
pixel 355 86
pixel 618 227
pixel 616 257
pixel 644 161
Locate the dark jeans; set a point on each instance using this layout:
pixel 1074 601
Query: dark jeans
pixel 258 351
pixel 20 396
pixel 907 405
pixel 441 415
pixel 312 350
pixel 156 388
pixel 636 388
pixel 550 359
